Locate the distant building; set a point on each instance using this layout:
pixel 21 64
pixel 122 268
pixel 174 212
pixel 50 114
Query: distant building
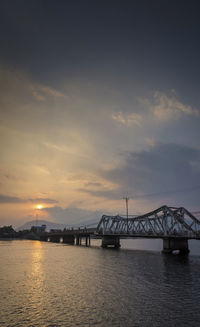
pixel 38 229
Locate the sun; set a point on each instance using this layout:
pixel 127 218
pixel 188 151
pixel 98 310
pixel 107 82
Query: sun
pixel 39 206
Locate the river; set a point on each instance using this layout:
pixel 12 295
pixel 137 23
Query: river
pixel 45 284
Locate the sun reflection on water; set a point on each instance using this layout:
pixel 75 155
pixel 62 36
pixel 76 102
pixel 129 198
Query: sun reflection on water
pixel 36 298
pixel 37 255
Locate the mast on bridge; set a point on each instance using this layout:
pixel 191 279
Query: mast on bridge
pixel 127 199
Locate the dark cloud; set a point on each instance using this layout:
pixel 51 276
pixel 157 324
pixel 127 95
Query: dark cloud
pixel 73 37
pixel 46 200
pixel 74 216
pixel 12 199
pixel 105 193
pixel 162 170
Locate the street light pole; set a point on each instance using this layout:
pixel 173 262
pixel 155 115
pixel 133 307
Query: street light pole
pixel 126 199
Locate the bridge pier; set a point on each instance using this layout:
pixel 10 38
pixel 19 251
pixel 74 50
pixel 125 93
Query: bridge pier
pixel 79 239
pixel 110 240
pixel 173 244
pixel 44 238
pixel 68 239
pixel 55 238
pixel 87 240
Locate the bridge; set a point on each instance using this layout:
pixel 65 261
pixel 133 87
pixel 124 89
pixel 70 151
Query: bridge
pixel 69 236
pixel 174 225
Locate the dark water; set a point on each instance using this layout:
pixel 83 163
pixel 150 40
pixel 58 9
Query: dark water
pixel 47 284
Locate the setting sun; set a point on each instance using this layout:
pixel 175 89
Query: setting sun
pixel 39 206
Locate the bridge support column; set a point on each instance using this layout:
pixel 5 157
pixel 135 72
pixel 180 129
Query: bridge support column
pixel 110 240
pixel 84 238
pixel 43 238
pixel 78 240
pixel 87 240
pixel 173 244
pixel 68 239
pixel 55 239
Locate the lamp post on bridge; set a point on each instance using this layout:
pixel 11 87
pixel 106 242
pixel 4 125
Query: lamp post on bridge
pixel 126 199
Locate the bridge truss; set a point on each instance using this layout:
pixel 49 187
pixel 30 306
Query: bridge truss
pixel 162 222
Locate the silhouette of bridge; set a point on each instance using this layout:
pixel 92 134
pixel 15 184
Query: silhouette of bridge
pixel 174 225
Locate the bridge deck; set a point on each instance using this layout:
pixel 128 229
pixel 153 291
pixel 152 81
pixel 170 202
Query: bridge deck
pixel 124 236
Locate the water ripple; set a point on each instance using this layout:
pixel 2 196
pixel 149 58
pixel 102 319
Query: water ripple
pixel 48 285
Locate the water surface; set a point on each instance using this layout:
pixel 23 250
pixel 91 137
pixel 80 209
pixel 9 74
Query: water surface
pixel 47 284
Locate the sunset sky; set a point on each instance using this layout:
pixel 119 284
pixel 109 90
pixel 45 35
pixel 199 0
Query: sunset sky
pixel 99 100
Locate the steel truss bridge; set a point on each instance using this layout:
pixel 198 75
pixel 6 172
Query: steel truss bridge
pixel 174 225
pixel 164 221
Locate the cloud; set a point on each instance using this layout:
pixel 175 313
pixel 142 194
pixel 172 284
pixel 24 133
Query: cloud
pixel 128 119
pixel 71 150
pixel 161 170
pixel 40 92
pixel 45 200
pixel 92 184
pixel 73 216
pixel 19 85
pixel 163 106
pixel 151 141
pixel 114 194
pixel 63 145
pixel 12 199
pixel 169 107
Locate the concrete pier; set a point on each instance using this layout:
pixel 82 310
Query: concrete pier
pixel 68 239
pixel 78 240
pixel 87 240
pixel 173 244
pixel 55 238
pixel 110 240
pixel 84 238
pixel 44 238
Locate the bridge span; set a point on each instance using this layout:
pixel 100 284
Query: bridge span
pixel 174 225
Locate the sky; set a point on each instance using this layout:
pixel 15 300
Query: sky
pixel 99 100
